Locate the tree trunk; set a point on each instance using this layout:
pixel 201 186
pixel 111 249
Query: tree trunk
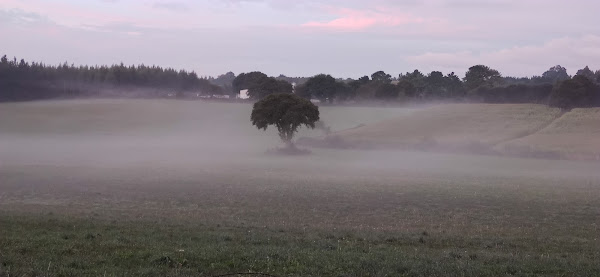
pixel 290 144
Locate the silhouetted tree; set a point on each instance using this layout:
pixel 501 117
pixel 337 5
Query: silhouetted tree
pixel 417 79
pixel 381 76
pixel 22 80
pixel 259 85
pixel 344 92
pixel 435 85
pixel 387 91
pixel 556 74
pixel 586 72
pixel 454 86
pixel 575 93
pixel 287 112
pixel 355 84
pixel 323 87
pixel 481 75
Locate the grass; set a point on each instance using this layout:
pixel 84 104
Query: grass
pixel 574 135
pixel 55 246
pixel 155 117
pixel 197 196
pixel 503 129
pixel 456 125
pixel 86 221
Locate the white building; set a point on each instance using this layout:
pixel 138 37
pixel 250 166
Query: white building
pixel 243 94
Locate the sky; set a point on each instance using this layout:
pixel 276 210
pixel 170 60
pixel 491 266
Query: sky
pixel 344 38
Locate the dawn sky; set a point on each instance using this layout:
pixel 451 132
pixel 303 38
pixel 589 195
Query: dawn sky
pixel 348 38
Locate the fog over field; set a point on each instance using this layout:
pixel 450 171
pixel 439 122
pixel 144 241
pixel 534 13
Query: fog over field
pixel 182 135
pixel 161 185
pixel 319 138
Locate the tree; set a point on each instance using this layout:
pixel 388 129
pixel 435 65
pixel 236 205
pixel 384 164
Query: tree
pixel 435 84
pixel 268 86
pixel 343 91
pixel 387 91
pixel 259 85
pixel 575 93
pixel 417 80
pixel 226 82
pixel 381 76
pixel 407 88
pixel 586 72
pixel 355 84
pixel 246 80
pixel 454 85
pixel 480 75
pixel 556 74
pixel 323 87
pixel 287 112
pixel 22 80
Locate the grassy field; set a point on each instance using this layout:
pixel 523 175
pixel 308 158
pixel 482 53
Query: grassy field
pixel 506 129
pixel 574 135
pixel 455 126
pixel 175 188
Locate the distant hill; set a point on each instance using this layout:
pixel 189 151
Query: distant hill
pixel 575 135
pixel 528 130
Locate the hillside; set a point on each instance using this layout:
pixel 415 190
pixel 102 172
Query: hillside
pixel 514 129
pixel 575 135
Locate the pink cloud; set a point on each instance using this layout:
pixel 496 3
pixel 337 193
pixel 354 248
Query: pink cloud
pixel 357 20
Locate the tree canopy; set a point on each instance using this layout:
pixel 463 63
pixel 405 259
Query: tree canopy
pixel 577 92
pixel 480 75
pixel 381 76
pixel 556 74
pixel 21 81
pixel 287 112
pixel 322 87
pixel 259 85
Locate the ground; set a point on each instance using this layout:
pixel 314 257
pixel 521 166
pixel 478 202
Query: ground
pixel 527 130
pixel 178 188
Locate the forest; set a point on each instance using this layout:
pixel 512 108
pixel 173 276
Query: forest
pixel 22 81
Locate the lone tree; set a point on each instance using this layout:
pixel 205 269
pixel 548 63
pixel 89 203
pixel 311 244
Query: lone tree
pixel 287 112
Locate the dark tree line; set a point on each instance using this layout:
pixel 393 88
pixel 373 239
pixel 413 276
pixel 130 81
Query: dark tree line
pixel 480 84
pixel 21 80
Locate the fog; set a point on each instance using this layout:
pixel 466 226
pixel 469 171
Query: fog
pixel 186 137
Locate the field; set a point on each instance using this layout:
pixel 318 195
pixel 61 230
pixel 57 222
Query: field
pixel 183 188
pixel 525 130
pixel 574 135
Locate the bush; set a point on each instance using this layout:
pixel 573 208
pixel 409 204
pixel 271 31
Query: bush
pixel 578 92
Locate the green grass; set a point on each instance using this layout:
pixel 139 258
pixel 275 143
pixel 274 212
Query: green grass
pixel 56 246
pixel 293 221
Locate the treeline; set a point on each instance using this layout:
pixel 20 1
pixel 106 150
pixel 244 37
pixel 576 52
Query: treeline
pixel 21 80
pixel 480 84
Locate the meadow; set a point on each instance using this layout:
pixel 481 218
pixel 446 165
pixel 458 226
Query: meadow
pixel 185 188
pixel 525 130
pixel 574 135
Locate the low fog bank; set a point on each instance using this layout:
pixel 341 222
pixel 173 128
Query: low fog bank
pixel 518 130
pixel 185 137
